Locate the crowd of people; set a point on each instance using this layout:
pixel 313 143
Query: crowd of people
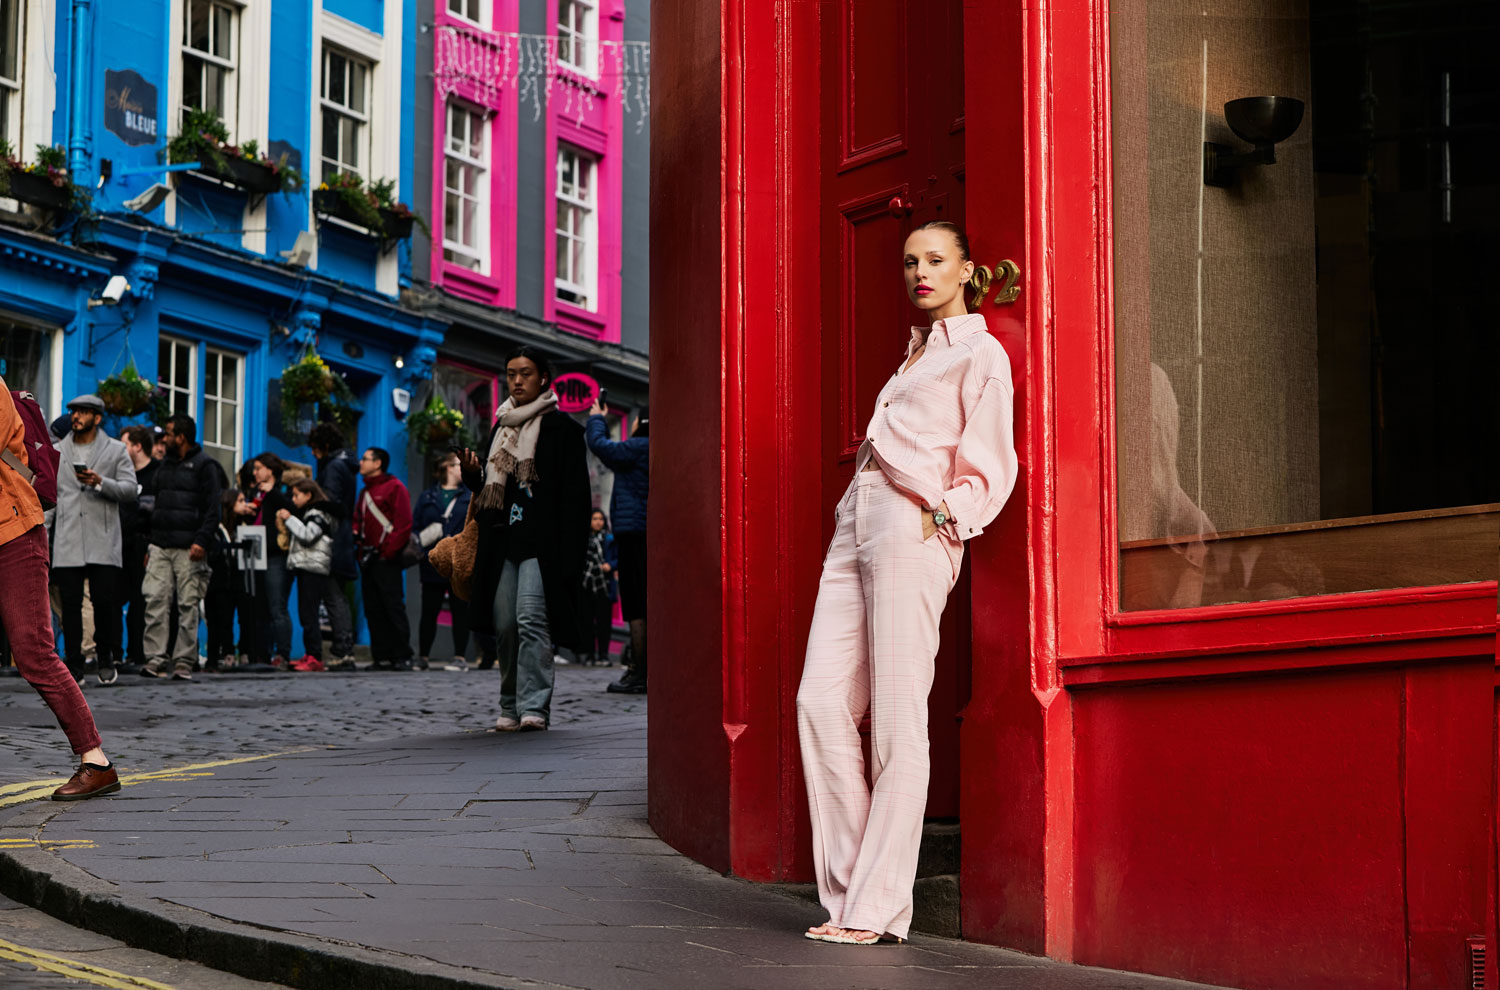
pixel 149 534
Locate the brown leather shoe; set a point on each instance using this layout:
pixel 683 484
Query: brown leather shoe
pixel 89 781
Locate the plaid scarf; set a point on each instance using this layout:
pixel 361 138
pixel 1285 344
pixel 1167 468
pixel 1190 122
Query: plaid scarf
pixel 594 580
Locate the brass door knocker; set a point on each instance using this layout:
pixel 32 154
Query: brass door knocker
pixel 1007 272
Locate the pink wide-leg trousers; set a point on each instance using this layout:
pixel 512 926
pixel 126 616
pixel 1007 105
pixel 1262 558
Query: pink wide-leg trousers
pixel 871 648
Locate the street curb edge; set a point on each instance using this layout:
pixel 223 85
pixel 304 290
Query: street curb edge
pixel 41 880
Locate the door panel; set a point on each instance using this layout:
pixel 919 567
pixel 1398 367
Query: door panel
pixel 892 102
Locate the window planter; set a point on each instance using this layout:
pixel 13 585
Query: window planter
pixel 39 190
pixel 394 226
pixel 254 177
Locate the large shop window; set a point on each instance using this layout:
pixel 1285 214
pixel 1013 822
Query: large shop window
pixel 210 51
pixel 346 122
pixel 24 364
pixel 11 67
pixel 472 392
pixel 1306 352
pixel 577 228
pixel 466 189
pixel 578 36
pixel 177 373
pixel 223 400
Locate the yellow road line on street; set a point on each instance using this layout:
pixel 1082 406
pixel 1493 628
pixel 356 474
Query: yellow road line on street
pixel 36 789
pixel 33 784
pixel 63 966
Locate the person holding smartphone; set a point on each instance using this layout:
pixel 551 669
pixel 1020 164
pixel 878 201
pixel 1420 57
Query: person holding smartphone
pixel 87 540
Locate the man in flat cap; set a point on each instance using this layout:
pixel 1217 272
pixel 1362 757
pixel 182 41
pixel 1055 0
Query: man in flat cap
pixel 94 477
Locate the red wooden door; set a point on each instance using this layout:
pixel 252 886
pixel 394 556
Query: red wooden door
pixel 893 157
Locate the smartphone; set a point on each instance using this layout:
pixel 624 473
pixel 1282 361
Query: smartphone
pixel 601 395
pixel 80 468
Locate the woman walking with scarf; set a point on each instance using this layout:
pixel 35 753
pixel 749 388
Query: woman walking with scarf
pixel 531 488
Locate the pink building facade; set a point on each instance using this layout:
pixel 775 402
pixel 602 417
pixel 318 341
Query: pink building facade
pixel 532 137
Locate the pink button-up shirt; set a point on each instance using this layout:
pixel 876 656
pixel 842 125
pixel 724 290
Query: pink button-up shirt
pixel 942 428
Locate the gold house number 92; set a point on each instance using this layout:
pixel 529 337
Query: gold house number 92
pixel 1007 273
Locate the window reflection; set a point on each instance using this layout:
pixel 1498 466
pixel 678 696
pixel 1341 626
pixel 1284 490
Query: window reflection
pixel 1305 358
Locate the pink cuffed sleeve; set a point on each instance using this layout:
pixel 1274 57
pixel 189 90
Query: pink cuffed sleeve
pixel 985 465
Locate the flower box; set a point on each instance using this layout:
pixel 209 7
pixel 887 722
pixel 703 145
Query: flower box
pixel 256 178
pixel 39 190
pixel 397 225
pixel 394 225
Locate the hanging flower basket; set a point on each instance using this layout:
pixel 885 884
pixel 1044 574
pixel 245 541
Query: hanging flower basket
pixel 434 425
pixel 310 382
pixel 126 394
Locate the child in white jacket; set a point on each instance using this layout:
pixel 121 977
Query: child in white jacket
pixel 309 558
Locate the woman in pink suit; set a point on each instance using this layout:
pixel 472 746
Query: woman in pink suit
pixel 937 464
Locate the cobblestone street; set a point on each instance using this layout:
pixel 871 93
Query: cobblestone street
pixel 148 724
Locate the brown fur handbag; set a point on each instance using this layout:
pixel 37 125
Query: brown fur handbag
pixel 453 556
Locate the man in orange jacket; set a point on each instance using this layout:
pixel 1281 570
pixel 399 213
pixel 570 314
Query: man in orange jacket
pixel 27 616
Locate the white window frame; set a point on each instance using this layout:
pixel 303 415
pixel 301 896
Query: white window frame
pixel 481 9
pixel 383 135
pixel 220 402
pixel 479 251
pixel 231 65
pixel 578 24
pixel 168 378
pixel 588 231
pixel 11 89
pixel 360 118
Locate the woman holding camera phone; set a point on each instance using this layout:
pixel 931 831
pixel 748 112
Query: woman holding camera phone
pixel 937 465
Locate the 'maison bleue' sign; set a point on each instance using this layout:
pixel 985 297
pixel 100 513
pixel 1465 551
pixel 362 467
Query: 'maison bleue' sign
pixel 129 106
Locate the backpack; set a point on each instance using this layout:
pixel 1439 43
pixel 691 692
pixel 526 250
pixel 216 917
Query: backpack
pixel 41 467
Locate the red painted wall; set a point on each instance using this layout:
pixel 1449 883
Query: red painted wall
pixel 688 775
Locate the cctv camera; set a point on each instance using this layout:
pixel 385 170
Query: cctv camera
pixel 115 289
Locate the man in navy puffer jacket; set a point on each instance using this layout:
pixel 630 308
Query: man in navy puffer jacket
pixel 630 460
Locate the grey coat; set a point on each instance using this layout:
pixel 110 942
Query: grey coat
pixel 86 526
pixel 312 542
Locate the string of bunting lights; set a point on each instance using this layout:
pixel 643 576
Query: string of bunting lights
pixel 492 61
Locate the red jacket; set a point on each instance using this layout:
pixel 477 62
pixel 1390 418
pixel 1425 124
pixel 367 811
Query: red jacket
pixel 391 498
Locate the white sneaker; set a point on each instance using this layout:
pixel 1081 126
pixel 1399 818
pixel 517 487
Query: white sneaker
pixel 506 724
pixel 533 723
pixel 560 660
pixel 457 663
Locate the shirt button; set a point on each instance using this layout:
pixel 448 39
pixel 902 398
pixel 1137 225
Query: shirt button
pixel 885 403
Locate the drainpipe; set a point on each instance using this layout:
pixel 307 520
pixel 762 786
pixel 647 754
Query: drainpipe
pixel 78 63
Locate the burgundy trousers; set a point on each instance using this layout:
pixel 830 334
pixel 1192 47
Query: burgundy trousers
pixel 27 616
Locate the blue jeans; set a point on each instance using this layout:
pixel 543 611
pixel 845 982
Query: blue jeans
pixel 278 591
pixel 525 641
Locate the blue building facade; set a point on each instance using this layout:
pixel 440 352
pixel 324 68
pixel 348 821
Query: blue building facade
pixel 228 283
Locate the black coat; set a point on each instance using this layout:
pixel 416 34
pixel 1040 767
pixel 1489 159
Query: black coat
pixel 562 502
pixel 338 477
pixel 187 500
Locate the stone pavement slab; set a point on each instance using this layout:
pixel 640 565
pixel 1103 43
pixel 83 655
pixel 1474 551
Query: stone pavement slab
pixel 477 859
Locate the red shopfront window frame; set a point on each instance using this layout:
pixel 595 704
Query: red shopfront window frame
pixel 1080 634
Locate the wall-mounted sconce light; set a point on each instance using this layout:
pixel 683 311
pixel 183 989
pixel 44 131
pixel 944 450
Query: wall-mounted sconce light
pixel 149 200
pixel 400 361
pixel 1264 121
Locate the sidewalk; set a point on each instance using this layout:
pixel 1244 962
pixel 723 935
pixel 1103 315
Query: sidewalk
pixel 460 860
